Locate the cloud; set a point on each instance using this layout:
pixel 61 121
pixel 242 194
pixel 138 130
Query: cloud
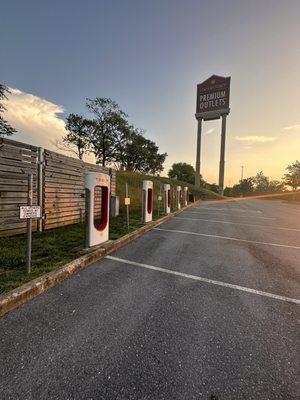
pixel 37 120
pixel 292 128
pixel 211 130
pixel 257 139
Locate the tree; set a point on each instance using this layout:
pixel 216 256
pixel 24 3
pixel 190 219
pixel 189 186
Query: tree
pixel 123 139
pixel 183 172
pixel 154 160
pixel 213 187
pixel 78 137
pixel 244 188
pixel 261 183
pixel 292 177
pixel 141 154
pixel 5 128
pixel 108 124
pixel 275 186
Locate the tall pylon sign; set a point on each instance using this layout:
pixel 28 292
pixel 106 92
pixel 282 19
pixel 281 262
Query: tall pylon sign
pixel 212 103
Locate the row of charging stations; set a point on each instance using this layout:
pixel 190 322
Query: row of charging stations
pixel 147 202
pixel 98 232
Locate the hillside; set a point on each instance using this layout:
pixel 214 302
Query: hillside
pixel 134 181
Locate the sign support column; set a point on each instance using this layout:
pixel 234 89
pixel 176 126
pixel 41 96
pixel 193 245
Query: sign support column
pixel 213 103
pixel 222 155
pixel 198 154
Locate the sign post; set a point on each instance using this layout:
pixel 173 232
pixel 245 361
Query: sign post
pixel 212 103
pixel 29 225
pixel 127 203
pixel 198 152
pixel 159 199
pixel 29 212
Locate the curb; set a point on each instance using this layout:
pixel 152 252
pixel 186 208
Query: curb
pixel 21 295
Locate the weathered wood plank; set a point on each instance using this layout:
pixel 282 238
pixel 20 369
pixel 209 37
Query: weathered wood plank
pixel 57 224
pixel 60 171
pixel 13 195
pixel 24 169
pixel 14 232
pixel 15 144
pixel 9 213
pixel 79 180
pixel 14 200
pixel 50 191
pixel 64 208
pixel 12 175
pixel 13 225
pixel 22 164
pixel 63 185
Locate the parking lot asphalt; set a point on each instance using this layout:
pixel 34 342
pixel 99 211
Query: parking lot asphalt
pixel 206 306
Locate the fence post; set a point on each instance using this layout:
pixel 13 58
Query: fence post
pixel 40 187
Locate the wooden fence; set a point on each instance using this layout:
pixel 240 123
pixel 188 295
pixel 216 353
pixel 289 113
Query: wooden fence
pixel 58 186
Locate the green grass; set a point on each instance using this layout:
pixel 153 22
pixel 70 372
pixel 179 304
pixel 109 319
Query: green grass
pixel 135 180
pixel 288 197
pixel 54 248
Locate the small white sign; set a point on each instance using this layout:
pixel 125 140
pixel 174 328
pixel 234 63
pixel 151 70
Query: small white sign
pixel 159 198
pixel 127 201
pixel 27 212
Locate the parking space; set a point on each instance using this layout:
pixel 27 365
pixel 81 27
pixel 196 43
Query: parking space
pixel 205 306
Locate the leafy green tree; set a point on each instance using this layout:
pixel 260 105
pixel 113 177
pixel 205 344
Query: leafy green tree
pixel 275 186
pixel 108 124
pixel 228 191
pixel 141 154
pixel 213 187
pixel 258 184
pixel 292 177
pixel 244 188
pixel 261 183
pixel 123 139
pixel 154 159
pixel 5 128
pixel 183 172
pixel 78 137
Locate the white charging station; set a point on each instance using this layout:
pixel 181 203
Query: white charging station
pixel 167 198
pixel 97 234
pixel 178 197
pixel 185 196
pixel 147 201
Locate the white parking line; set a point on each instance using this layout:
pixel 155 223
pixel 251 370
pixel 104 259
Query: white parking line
pixel 230 209
pixel 238 223
pixel 206 280
pixel 230 215
pixel 228 238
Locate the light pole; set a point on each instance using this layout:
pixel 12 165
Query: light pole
pixel 242 172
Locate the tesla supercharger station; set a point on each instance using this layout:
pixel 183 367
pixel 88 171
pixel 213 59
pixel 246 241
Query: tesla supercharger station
pixel 147 201
pixel 185 195
pixel 178 197
pixel 167 198
pixel 97 233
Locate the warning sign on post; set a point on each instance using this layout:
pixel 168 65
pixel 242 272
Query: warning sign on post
pixel 27 212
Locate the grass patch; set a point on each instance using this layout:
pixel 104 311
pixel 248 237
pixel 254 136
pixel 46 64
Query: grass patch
pixel 291 197
pixel 54 248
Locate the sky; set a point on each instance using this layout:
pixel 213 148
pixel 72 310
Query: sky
pixel 149 56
